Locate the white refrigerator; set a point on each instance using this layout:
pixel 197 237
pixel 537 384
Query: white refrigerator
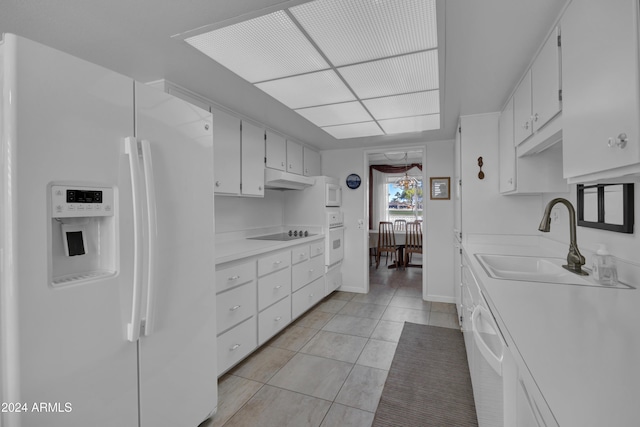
pixel 107 293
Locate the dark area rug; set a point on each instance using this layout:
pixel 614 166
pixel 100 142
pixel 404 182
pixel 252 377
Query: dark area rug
pixel 429 382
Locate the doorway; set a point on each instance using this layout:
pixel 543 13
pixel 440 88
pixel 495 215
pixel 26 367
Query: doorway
pixel 395 194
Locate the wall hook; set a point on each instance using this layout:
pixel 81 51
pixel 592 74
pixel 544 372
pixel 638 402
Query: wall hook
pixel 480 174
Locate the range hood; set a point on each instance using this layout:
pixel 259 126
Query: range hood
pixel 280 180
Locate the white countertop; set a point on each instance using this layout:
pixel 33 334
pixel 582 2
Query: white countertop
pixel 580 343
pixel 232 249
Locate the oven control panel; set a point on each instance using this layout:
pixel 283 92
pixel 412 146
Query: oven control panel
pixel 80 201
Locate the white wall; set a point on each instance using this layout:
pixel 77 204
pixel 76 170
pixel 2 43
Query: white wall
pixel 244 213
pixel 438 259
pixel 339 164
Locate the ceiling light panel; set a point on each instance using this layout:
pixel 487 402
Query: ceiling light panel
pixel 336 114
pixel 264 48
pixel 412 104
pixel 373 28
pixel 354 130
pixel 306 90
pixel 393 76
pixel 411 124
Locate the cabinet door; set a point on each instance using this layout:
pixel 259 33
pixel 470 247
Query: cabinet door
pixel 522 110
pixel 294 157
pixel 545 83
pixel 311 160
pixel 252 160
pixel 226 153
pixel 507 150
pixel 276 147
pixel 600 85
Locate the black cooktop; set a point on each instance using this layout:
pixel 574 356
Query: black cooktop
pixel 283 236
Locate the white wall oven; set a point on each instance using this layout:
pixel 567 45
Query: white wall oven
pixel 334 250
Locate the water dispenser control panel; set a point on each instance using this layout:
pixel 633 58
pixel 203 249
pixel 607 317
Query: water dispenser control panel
pixel 81 202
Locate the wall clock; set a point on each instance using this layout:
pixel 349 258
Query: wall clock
pixel 353 181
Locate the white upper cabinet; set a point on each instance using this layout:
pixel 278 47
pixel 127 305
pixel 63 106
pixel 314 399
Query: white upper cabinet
pixel 600 89
pixel 507 150
pixel 536 173
pixel 276 147
pixel 252 160
pixel 311 161
pixel 294 157
pixel 545 83
pixel 522 109
pixel 537 99
pixel 226 152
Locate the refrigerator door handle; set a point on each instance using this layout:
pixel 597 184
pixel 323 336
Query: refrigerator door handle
pixel 131 149
pixel 152 235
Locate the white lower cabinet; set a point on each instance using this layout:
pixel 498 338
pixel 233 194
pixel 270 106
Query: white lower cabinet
pixel 258 298
pixel 531 408
pixel 273 319
pixel 235 344
pixel 236 305
pixel 307 297
pixel 306 272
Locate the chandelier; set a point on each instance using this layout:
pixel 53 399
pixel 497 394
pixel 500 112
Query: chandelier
pixel 406 182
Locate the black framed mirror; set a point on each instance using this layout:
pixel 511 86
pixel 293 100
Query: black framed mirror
pixel 606 207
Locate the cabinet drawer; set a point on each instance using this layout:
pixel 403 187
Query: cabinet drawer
pixel 235 305
pixel 274 319
pixel 306 272
pixel 316 248
pixel 236 343
pixel 273 287
pixel 228 277
pixel 299 254
pixel 307 297
pixel 275 262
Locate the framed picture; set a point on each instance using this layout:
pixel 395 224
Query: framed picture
pixel 440 188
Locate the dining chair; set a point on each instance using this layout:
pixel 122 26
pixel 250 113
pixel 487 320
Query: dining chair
pixel 386 241
pixel 413 242
pixel 400 224
pixel 373 248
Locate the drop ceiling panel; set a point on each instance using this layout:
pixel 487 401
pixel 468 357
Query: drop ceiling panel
pixel 374 29
pixel 306 90
pixel 393 76
pixel 412 104
pixel 354 130
pixel 411 124
pixel 264 48
pixel 335 114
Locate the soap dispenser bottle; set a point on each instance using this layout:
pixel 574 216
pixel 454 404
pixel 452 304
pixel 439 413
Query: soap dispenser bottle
pixel 604 267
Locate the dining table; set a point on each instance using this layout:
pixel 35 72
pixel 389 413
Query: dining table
pixel 401 238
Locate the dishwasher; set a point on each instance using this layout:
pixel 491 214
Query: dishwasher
pixel 490 364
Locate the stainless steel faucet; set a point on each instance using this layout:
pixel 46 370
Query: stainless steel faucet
pixel 575 260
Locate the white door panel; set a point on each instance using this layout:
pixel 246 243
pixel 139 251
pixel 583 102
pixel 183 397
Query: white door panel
pixel 178 355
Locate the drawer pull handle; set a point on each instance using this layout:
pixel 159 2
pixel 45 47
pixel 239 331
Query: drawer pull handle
pixel 277 262
pixel 277 319
pixel 311 270
pixel 310 295
pixel 278 287
pixel 234 308
pixel 234 347
pixel 233 278
pixel 302 255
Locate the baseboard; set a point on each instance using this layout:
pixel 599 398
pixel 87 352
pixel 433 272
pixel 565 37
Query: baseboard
pixel 439 298
pixel 353 289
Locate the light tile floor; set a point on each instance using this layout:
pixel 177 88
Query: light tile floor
pixel 328 368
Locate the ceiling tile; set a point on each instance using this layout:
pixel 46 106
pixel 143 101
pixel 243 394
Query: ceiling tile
pixel 374 29
pixel 393 76
pixel 264 48
pixel 411 124
pixel 412 104
pixel 335 114
pixel 353 130
pixel 306 90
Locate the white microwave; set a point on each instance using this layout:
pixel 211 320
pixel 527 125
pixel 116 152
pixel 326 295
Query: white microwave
pixel 333 195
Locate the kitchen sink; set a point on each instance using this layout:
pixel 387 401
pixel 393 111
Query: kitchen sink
pixel 535 269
